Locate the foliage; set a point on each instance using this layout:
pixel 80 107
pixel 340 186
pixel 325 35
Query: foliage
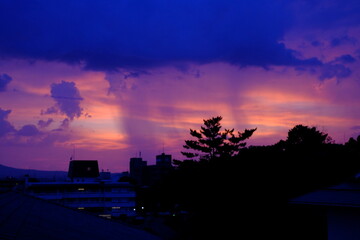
pixel 213 143
pixel 307 136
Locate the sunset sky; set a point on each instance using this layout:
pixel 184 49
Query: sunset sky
pixel 107 79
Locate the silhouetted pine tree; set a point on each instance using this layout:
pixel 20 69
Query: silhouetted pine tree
pixel 212 143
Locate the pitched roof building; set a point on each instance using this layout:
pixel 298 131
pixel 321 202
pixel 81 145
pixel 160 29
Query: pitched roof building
pixel 337 209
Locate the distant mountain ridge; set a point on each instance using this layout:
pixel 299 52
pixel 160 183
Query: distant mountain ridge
pixel 6 171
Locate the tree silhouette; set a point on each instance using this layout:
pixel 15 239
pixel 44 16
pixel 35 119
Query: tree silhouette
pixel 353 147
pixel 304 136
pixel 259 185
pixel 212 143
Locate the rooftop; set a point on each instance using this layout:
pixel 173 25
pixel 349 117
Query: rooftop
pixel 342 195
pixel 83 169
pixel 24 217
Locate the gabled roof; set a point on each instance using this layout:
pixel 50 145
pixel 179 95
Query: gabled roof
pixel 83 169
pixel 343 195
pixel 25 218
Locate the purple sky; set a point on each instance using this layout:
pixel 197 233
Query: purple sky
pixel 110 79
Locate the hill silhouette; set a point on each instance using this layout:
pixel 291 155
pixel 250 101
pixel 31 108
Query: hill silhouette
pixel 6 172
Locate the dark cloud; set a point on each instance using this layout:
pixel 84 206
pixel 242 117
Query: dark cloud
pixel 119 83
pixel 326 14
pixel 50 110
pixel 67 98
pixel 65 123
pixel 44 124
pixel 29 134
pixel 339 71
pixel 316 43
pixel 355 127
pixel 188 70
pixel 338 41
pixel 4 81
pixel 337 68
pixel 135 74
pixel 5 126
pixel 347 58
pixel 108 35
pixel 4 114
pixel 29 130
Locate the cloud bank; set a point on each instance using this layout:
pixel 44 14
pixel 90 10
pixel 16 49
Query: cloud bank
pixel 4 81
pixel 5 126
pixel 143 34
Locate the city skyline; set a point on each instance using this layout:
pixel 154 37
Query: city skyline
pixel 114 79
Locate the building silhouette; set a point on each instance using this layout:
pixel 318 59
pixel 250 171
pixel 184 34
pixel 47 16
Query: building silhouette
pixel 137 169
pixel 164 160
pixel 332 212
pixel 83 170
pixel 144 174
pixel 87 189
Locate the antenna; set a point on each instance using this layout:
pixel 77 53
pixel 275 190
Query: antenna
pixel 73 153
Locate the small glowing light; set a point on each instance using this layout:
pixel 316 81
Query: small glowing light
pixel 81 208
pixel 142 207
pixel 134 209
pixel 115 207
pixel 81 189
